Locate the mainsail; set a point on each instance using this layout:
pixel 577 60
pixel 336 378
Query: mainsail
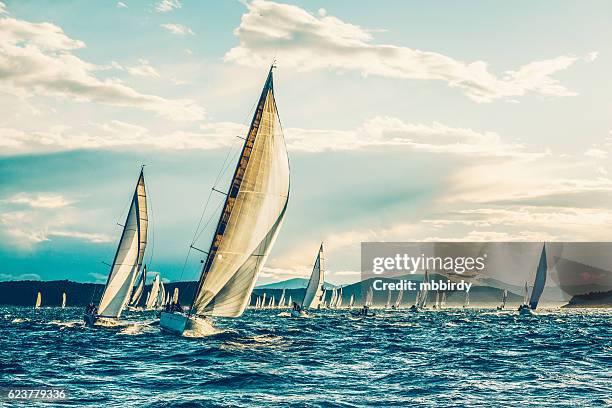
pixel 251 217
pixel 388 303
pixel 129 255
pixel 140 288
pixel 63 300
pixel 38 300
pixel 175 296
pixel 281 302
pixel 351 301
pixel 334 298
pixel 314 295
pixel 369 297
pixel 339 299
pixel 398 301
pixel 540 280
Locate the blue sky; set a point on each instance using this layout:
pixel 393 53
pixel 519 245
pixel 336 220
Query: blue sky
pixel 408 121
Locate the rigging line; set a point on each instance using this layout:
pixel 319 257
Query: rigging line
pixel 151 224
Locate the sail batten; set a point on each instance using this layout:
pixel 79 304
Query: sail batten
pixel 251 217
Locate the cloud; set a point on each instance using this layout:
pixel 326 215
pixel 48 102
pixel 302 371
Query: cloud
pixel 168 5
pixel 305 41
pixel 23 276
pixel 38 200
pixel 38 59
pixel 121 4
pixel 596 153
pixel 2 8
pixel 143 69
pixel 84 236
pixel 177 29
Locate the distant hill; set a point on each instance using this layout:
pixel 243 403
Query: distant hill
pixel 294 283
pixel 592 299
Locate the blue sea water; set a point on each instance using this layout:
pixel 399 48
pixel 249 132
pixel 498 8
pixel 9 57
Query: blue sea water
pixel 560 358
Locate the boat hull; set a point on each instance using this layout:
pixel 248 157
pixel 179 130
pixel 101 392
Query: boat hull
pixel 525 310
pixel 180 324
pixel 301 313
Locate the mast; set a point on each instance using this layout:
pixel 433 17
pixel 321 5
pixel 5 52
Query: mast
pixel 259 190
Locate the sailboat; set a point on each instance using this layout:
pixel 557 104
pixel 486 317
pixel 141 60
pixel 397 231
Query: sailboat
pixel 272 304
pixel 153 293
pixel 421 296
pixel 290 302
pixel 504 299
pixel 398 301
pixel 365 310
pixel 38 301
pixel 388 302
pixel 334 297
pixel 263 301
pixel 466 303
pixel 338 304
pixel 531 302
pixel 281 301
pixel 253 212
pixel 257 302
pixel 137 294
pixel 351 301
pixel 175 296
pixel 63 300
pixel 127 262
pixel 315 293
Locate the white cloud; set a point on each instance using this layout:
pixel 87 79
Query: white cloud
pixel 177 29
pixel 37 59
pixel 38 200
pixel 121 4
pixel 596 153
pixel 2 8
pixel 305 41
pixel 84 236
pixel 168 5
pixel 23 276
pixel 143 69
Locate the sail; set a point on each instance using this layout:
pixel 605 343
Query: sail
pixel 175 296
pixel 369 297
pixel 315 293
pixel 398 301
pixel 467 298
pixel 540 280
pixel 334 297
pixel 161 295
pixel 388 303
pixel 351 301
pixel 290 302
pixel 38 300
pixel 257 302
pixel 424 291
pixel 263 300
pixel 253 212
pixel 504 298
pixel 154 293
pixel 339 299
pixel 140 288
pixel 128 257
pixel 281 301
pixel 63 300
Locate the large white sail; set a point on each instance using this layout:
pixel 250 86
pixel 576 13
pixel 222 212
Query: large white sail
pixel 315 293
pixel 540 280
pixel 140 288
pixel 129 256
pixel 253 212
pixel 154 293
pixel 63 300
pixel 38 300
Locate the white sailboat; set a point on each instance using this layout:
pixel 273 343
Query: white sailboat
pixel 63 300
pixel 257 302
pixel 290 302
pixel 153 293
pixel 351 301
pixel 314 296
pixel 334 298
pixel 421 296
pixel 253 212
pixel 272 304
pixel 281 301
pixel 175 296
pixel 504 299
pixel 367 304
pixel 339 299
pixel 137 294
pixel 388 302
pixel 263 301
pixel 466 303
pixel 530 303
pixel 398 301
pixel 127 262
pixel 38 301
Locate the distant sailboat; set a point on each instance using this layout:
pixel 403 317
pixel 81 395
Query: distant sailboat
pixel 365 310
pixel 257 302
pixel 314 296
pixel 339 299
pixel 290 302
pixel 466 303
pixel 127 262
pixel 63 300
pixel 281 301
pixel 421 296
pixel 139 288
pixel 388 302
pixel 153 293
pixel 504 299
pixel 38 301
pixel 530 303
pixel 263 301
pixel 272 304
pixel 175 296
pixel 248 225
pixel 351 301
pixel 398 301
pixel 334 297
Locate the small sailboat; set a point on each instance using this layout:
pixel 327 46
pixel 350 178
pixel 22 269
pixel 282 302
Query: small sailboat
pixel 271 305
pixel 281 301
pixel 153 297
pixel 315 293
pixel 137 293
pixel 257 302
pixel 175 296
pixel 351 301
pixel 365 310
pixel 290 302
pixel 388 302
pixel 398 301
pixel 38 301
pixel 420 302
pixel 127 262
pixel 249 222
pixel 339 299
pixel 263 301
pixel 504 299
pixel 63 300
pixel 334 298
pixel 530 303
pixel 466 302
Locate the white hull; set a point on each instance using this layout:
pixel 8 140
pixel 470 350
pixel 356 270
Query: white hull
pixel 301 313
pixel 183 325
pixel 93 320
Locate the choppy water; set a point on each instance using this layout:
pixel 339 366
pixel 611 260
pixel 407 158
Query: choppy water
pixel 449 358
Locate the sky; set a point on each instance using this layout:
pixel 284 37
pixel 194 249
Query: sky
pixel 411 121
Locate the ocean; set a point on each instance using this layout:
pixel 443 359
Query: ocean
pixel 450 358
